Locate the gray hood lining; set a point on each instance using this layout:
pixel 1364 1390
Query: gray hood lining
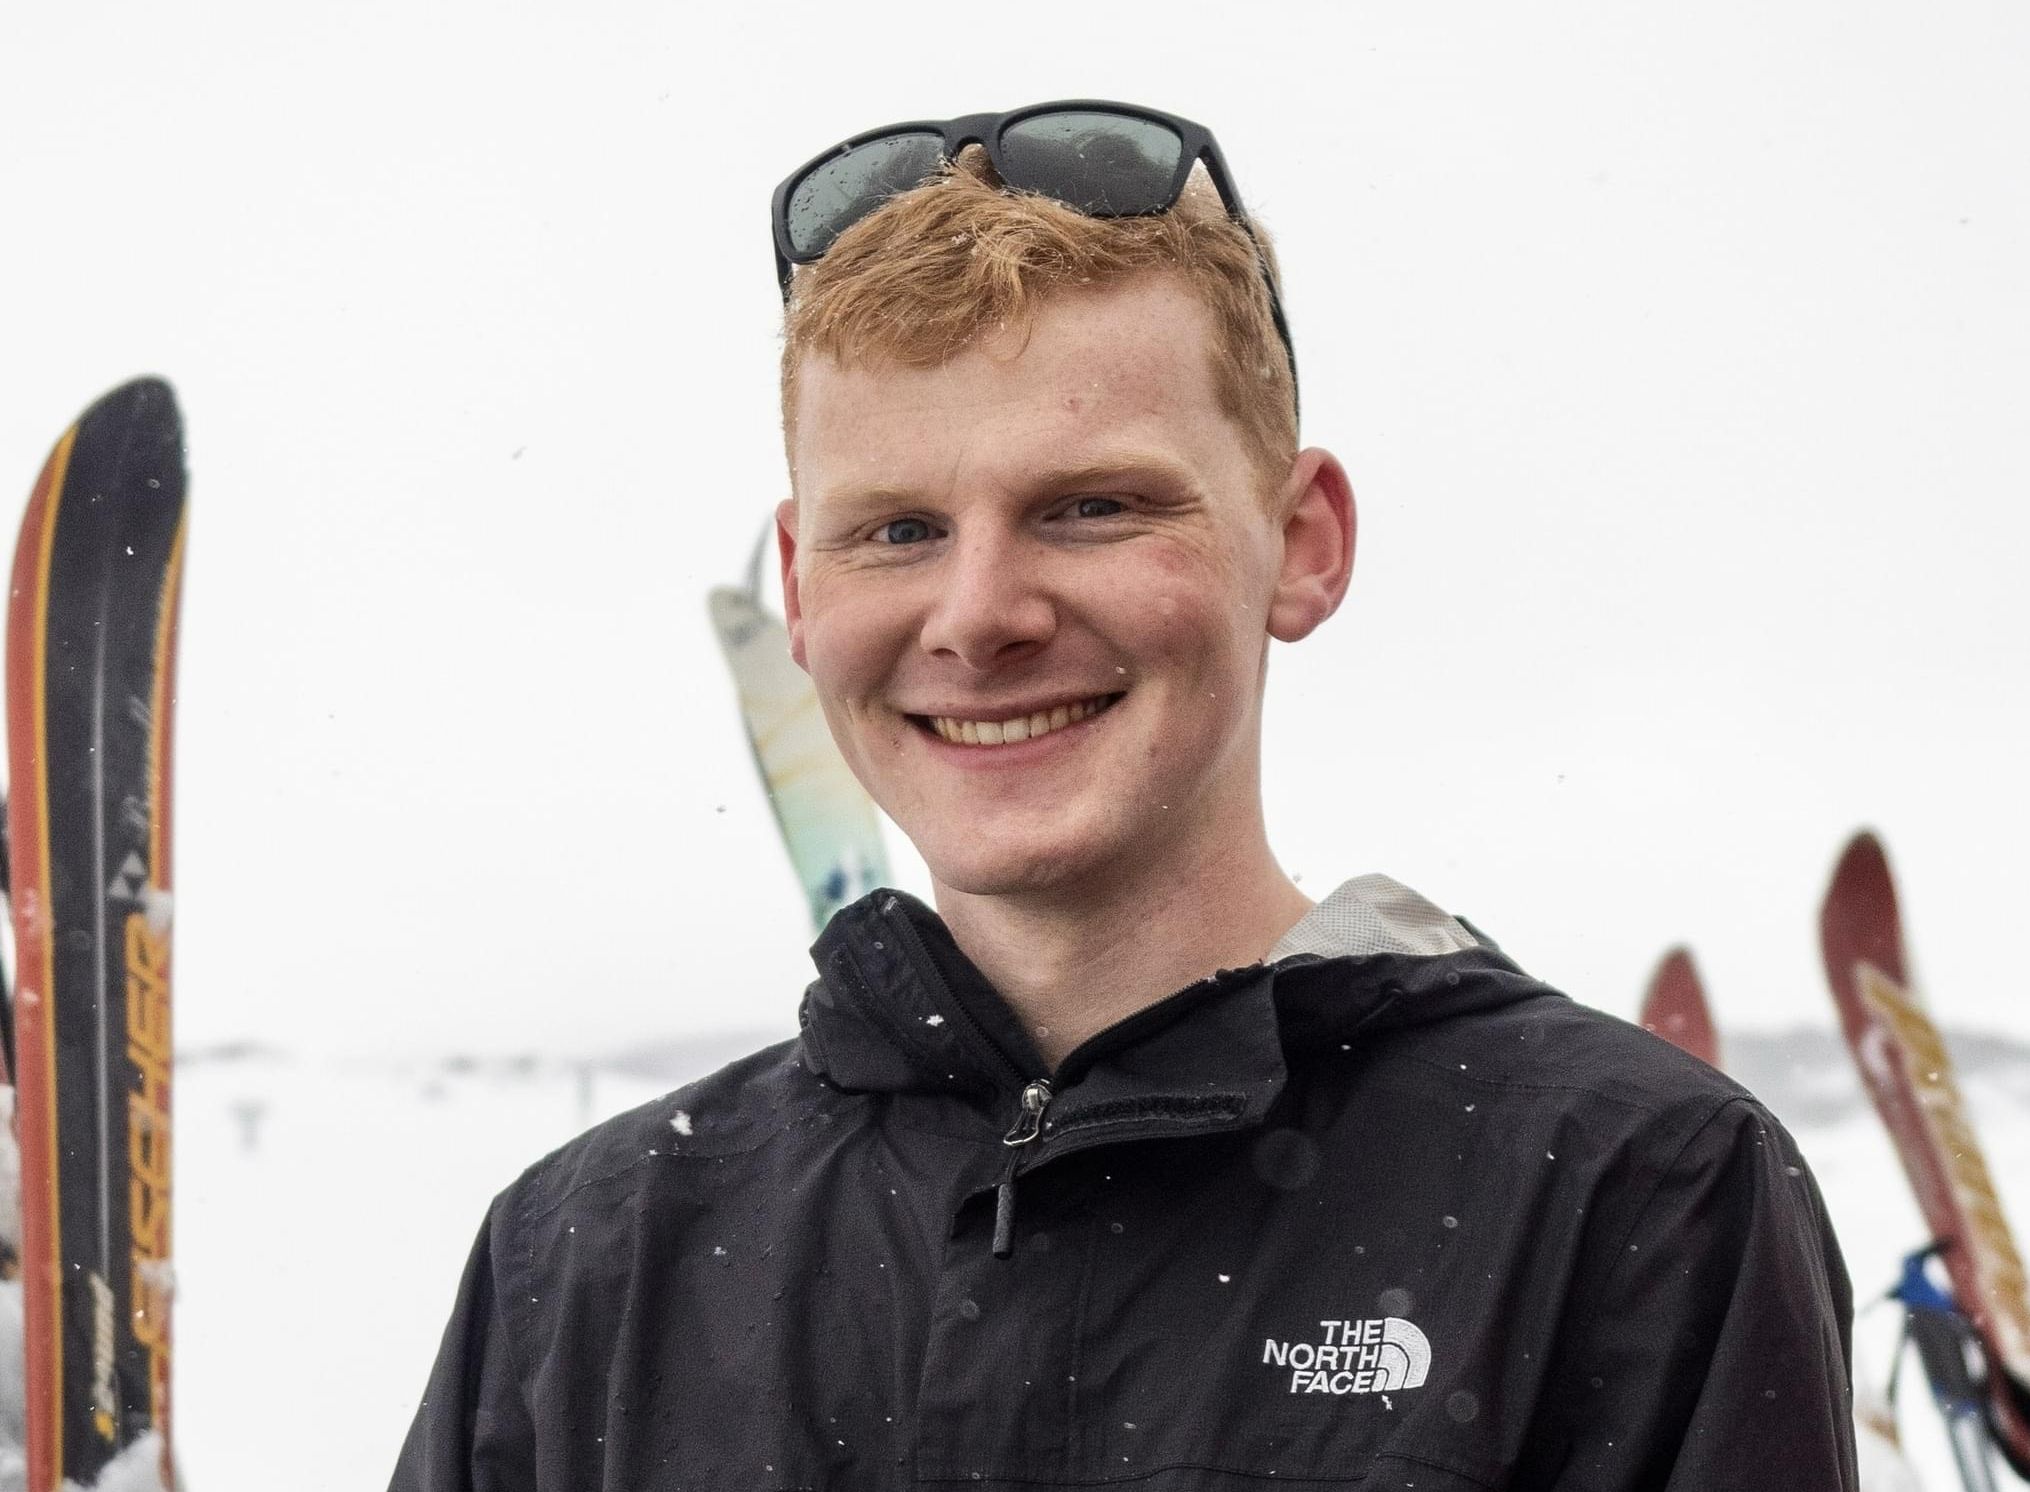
pixel 1374 914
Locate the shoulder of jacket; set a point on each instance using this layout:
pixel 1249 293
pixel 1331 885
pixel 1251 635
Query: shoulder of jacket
pixel 726 1113
pixel 1547 1043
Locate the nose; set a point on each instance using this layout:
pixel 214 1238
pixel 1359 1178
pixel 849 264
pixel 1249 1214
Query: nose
pixel 993 607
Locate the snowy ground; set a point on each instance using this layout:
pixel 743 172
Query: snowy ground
pixel 325 1210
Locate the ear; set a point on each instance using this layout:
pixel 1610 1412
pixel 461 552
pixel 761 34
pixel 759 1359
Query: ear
pixel 1318 535
pixel 792 597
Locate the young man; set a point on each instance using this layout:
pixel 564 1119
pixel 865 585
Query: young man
pixel 1126 1164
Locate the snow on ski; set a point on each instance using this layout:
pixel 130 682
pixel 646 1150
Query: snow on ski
pixel 91 644
pixel 827 821
pixel 1674 1007
pixel 1909 1074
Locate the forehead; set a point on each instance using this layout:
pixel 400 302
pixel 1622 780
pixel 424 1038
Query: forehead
pixel 1097 372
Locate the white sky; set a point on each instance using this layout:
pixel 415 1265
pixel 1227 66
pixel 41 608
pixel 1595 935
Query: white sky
pixel 1679 356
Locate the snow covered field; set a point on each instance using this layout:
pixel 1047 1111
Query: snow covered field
pixel 325 1210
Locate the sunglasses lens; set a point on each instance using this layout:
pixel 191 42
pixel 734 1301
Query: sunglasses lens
pixel 843 190
pixel 1106 165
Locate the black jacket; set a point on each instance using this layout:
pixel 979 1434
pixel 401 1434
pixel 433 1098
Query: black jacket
pixel 1377 1222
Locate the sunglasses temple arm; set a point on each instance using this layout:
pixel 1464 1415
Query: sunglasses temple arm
pixel 1275 309
pixel 1230 197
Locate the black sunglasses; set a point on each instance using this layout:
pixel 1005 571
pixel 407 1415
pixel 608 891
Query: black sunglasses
pixel 1107 160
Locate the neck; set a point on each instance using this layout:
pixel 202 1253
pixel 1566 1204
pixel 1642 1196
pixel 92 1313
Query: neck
pixel 1074 960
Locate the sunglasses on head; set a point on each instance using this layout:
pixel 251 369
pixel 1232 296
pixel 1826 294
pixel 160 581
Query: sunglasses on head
pixel 1107 160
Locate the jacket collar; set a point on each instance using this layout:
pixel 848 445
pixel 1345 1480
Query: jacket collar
pixel 899 1009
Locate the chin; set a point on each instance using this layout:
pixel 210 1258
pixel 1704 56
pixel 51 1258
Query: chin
pixel 1009 872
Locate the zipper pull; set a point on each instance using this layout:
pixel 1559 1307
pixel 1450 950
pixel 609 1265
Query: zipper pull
pixel 1028 1125
pixel 1029 1122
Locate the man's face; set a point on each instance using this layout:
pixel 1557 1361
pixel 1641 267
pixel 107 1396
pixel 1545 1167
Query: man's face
pixel 1059 545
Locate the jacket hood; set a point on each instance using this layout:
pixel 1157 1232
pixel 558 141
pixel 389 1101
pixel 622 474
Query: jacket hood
pixel 898 1008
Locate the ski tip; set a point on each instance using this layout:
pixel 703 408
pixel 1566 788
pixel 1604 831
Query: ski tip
pixel 143 416
pixel 131 441
pixel 1674 1007
pixel 145 402
pixel 1860 921
pixel 1676 975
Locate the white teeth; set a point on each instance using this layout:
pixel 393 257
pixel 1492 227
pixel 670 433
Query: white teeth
pixel 1022 728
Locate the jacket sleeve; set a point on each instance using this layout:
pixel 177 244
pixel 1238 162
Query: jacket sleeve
pixel 472 1432
pixel 1717 1353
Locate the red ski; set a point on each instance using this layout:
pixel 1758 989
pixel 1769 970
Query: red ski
pixel 1909 1074
pixel 1674 1007
pixel 91 646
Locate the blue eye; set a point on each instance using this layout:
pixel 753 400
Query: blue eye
pixel 904 531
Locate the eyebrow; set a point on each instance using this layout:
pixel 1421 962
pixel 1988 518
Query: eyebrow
pixel 1103 470
pixel 1115 467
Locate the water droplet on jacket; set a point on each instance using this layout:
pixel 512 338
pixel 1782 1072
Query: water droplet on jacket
pixel 1451 1222
pixel 970 1309
pixel 1462 1406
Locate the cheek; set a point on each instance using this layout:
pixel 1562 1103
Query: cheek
pixel 1208 615
pixel 849 645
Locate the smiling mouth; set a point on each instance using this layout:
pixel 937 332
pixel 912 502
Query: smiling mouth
pixel 1020 728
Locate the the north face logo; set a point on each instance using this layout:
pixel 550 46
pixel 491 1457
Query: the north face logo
pixel 1356 1357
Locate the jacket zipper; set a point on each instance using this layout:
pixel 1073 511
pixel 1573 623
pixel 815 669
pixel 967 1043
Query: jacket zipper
pixel 1028 1125
pixel 927 970
pixel 1035 1099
